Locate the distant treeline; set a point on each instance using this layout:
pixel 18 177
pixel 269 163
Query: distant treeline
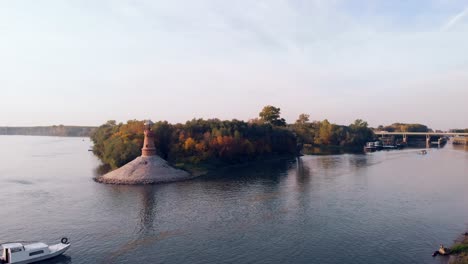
pixel 60 131
pixel 459 130
pixel 324 133
pixel 401 127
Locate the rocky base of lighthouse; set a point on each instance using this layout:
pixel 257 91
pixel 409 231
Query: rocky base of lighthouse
pixel 144 170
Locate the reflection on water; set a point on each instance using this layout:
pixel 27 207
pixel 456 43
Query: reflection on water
pixel 311 150
pixel 63 259
pixel 461 147
pixel 147 209
pixel 349 208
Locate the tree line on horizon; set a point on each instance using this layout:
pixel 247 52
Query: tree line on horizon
pixel 58 131
pixel 229 142
pixel 459 130
pixel 402 127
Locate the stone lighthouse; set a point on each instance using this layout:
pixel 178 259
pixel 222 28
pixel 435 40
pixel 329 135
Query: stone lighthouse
pixel 148 144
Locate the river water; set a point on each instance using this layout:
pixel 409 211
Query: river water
pixel 383 207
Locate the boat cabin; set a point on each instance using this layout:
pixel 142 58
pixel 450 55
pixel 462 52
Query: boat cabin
pixel 17 252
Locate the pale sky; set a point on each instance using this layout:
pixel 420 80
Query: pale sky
pixel 86 62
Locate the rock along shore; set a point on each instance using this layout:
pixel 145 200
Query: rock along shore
pixel 145 170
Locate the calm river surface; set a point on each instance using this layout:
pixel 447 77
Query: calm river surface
pixel 384 207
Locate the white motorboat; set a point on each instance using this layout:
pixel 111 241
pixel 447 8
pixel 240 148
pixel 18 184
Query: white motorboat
pixel 370 146
pixel 21 253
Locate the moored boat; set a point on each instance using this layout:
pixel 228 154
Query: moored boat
pixel 390 147
pixel 370 146
pixel 378 145
pixel 21 253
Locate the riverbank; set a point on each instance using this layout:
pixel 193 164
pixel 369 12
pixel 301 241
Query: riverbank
pixel 153 170
pixel 459 250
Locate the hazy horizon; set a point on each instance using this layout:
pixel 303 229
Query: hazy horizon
pixel 381 61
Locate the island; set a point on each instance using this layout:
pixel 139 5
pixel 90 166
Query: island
pixel 200 145
pixel 146 169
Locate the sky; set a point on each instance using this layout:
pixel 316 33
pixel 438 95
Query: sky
pixel 86 62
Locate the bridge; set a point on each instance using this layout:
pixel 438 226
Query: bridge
pixel 460 138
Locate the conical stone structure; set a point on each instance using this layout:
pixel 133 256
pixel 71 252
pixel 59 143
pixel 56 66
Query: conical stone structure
pixel 146 169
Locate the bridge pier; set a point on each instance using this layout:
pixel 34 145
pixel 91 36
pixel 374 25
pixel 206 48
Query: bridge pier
pixel 428 141
pixel 405 139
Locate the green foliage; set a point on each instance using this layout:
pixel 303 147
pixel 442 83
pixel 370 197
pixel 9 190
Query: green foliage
pixel 271 115
pixel 224 142
pixel 459 248
pixel 359 133
pixel 196 141
pixel 118 144
pixel 402 127
pixel 324 133
pixel 327 134
pixel 163 138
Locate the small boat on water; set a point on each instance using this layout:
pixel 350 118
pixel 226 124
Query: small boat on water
pixel 390 147
pixel 378 145
pixel 19 252
pixel 370 146
pixel 422 152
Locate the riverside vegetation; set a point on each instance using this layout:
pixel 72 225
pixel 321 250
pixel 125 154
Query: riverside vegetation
pixel 212 143
pixel 196 143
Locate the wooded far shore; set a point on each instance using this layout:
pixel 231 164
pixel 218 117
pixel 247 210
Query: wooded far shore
pixel 59 131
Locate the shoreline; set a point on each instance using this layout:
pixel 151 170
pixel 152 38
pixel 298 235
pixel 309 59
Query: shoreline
pixel 144 170
pixel 193 171
pixel 462 256
pixel 212 167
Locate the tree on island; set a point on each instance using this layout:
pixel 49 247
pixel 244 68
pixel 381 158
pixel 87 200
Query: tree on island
pixel 303 119
pixel 324 133
pixel 271 115
pixel 402 127
pixel 360 132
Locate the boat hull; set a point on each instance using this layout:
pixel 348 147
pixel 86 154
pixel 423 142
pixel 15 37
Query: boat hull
pixel 60 249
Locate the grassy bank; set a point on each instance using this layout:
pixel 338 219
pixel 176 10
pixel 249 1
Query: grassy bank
pixel 460 251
